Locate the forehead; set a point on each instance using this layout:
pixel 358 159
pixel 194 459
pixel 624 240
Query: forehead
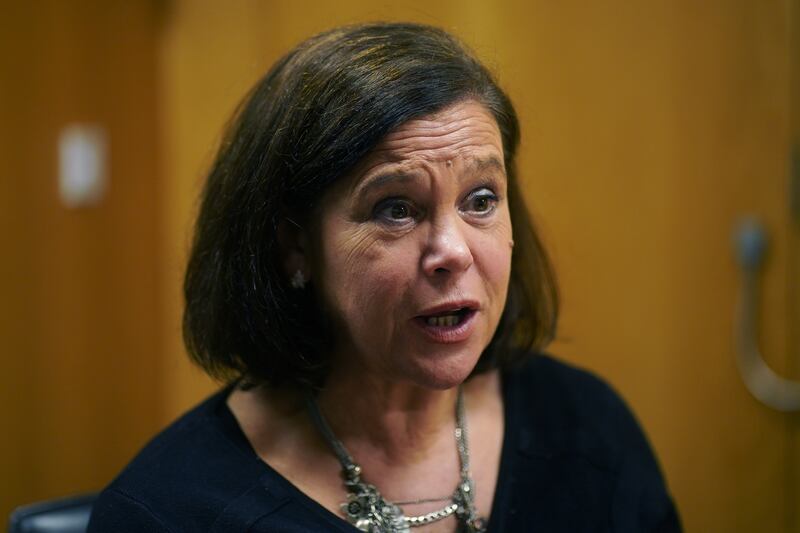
pixel 463 132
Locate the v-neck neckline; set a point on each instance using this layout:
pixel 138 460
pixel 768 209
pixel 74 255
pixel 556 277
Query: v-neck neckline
pixel 501 489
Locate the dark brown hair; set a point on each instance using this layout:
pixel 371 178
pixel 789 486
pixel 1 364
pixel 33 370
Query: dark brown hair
pixel 316 113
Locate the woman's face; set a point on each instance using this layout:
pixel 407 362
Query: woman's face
pixel 414 255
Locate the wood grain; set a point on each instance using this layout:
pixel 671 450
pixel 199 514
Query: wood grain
pixel 79 385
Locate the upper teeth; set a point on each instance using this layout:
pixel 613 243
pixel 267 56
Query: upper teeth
pixel 445 320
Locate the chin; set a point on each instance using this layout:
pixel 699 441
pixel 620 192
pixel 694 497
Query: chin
pixel 445 373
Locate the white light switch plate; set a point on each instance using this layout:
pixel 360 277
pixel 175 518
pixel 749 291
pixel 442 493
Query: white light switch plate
pixel 83 159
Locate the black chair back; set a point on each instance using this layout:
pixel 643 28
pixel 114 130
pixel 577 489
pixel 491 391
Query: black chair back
pixel 64 515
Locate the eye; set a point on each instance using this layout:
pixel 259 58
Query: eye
pixel 481 201
pixel 394 211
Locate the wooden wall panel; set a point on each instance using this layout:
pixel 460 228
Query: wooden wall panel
pixel 793 270
pixel 79 316
pixel 655 127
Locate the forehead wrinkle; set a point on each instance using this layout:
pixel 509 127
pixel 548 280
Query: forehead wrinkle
pixel 444 136
pixel 408 170
pixel 466 146
pixel 431 128
pixel 434 140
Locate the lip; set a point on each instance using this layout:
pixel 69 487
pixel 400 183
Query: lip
pixel 450 306
pixel 449 334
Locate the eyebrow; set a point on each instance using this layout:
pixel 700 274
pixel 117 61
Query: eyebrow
pixel 491 162
pixel 382 179
pixel 476 165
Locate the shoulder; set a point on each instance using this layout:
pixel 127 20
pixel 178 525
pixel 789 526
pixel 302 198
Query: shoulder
pixel 570 424
pixel 571 408
pixel 183 478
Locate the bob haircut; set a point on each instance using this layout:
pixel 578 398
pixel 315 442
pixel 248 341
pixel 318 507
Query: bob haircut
pixel 317 112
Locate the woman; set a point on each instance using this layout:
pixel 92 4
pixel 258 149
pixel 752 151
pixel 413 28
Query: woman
pixel 365 277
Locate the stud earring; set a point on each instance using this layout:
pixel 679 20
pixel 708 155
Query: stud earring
pixel 298 280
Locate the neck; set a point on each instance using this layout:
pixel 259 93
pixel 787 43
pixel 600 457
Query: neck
pixel 398 423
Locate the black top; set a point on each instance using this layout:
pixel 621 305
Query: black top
pixel 574 459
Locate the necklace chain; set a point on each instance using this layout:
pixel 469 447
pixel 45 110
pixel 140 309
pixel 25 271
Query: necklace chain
pixel 369 511
pixel 424 500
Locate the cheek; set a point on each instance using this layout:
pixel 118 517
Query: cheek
pixel 359 272
pixel 497 269
pixel 494 257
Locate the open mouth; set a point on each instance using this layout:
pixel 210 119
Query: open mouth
pixel 448 319
pixel 449 322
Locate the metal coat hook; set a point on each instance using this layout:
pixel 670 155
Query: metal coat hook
pixel 764 383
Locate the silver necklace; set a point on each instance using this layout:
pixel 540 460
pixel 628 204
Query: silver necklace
pixel 369 511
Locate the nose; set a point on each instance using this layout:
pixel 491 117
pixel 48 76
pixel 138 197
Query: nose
pixel 447 249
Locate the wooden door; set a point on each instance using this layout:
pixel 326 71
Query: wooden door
pixel 656 126
pixel 78 296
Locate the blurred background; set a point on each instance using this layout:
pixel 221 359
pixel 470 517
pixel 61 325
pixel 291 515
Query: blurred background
pixel 650 129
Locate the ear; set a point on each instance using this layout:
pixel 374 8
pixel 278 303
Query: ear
pixel 293 243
